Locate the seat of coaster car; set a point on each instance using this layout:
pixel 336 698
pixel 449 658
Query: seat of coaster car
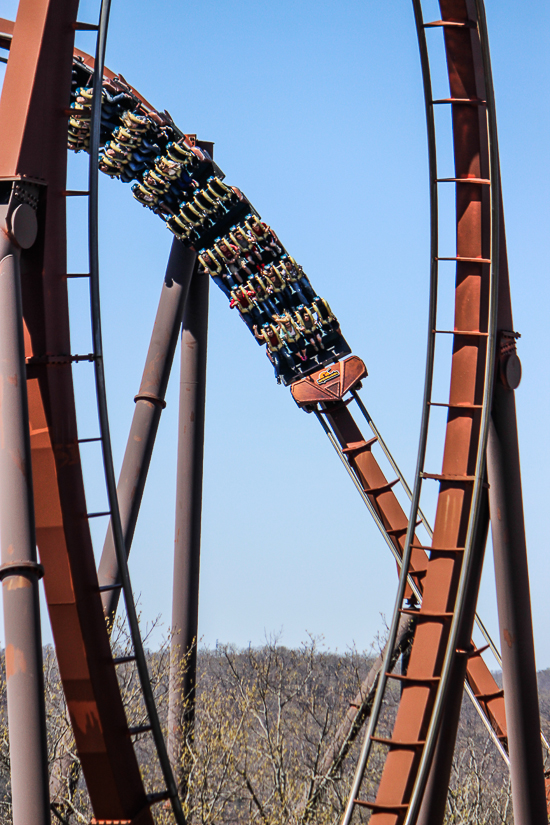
pixel 315 363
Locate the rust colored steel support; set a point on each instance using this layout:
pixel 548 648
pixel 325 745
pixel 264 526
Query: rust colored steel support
pixel 514 613
pixel 20 571
pixel 463 453
pixel 363 461
pixel 185 602
pixel 149 405
pixel 33 135
pixel 435 796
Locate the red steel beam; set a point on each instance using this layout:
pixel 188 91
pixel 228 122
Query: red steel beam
pixel 361 458
pixel 462 434
pixel 394 519
pixel 33 128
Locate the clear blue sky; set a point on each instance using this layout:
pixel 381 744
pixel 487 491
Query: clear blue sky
pixel 316 109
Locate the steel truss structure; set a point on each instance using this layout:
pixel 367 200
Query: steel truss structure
pixel 42 501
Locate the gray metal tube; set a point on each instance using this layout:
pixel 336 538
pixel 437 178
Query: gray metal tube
pixel 514 614
pixel 149 405
pixel 20 570
pixel 185 604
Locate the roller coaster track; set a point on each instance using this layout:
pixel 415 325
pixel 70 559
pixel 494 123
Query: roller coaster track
pixel 86 664
pixel 442 577
pixel 441 648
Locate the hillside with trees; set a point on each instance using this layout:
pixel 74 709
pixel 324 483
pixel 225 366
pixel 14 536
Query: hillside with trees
pixel 276 737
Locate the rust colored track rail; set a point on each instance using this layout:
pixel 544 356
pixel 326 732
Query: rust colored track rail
pixel 452 575
pixel 441 646
pixel 394 522
pixel 450 579
pixel 446 574
pixel 33 139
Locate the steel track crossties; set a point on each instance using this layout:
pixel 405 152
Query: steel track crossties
pixel 441 650
pixel 443 576
pixel 33 138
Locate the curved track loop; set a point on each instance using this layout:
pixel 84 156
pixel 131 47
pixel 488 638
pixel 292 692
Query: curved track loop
pixel 33 139
pixel 441 645
pixel 446 580
pixel 153 726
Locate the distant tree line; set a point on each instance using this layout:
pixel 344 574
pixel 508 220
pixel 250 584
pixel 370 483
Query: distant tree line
pixel 275 741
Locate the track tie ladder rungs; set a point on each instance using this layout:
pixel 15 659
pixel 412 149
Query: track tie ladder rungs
pixel 477 181
pixel 472 654
pixel 36 360
pixel 355 447
pixel 427 615
pixel 105 588
pixel 413 680
pixel 427 548
pixel 474 332
pixel 460 406
pixel 449 477
pixel 383 488
pixel 122 660
pixel 395 743
pixel 462 259
pixel 137 729
pixel 160 796
pixel 137 657
pixel 488 697
pixel 466 101
pixel 454 24
pixel 401 531
pixel 380 807
pixel 85 27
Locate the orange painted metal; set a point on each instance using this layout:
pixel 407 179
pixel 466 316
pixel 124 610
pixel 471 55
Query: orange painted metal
pixel 33 127
pixel 330 383
pixel 462 433
pixel 361 458
pixel 330 391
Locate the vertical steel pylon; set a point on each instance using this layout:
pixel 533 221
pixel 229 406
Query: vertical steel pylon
pixel 185 602
pixel 149 405
pixel 20 570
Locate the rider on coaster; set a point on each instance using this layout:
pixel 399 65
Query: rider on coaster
pixel 264 291
pixel 275 346
pixel 264 236
pixel 308 328
pixel 230 256
pixel 219 274
pixel 243 297
pixel 290 334
pixel 246 243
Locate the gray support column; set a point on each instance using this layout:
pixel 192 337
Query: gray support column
pixel 185 604
pixel 514 614
pixel 149 405
pixel 20 571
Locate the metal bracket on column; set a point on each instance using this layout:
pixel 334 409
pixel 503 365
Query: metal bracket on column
pixel 149 396
pixel 21 568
